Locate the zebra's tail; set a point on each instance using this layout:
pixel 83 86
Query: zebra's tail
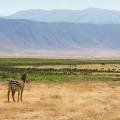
pixel 9 84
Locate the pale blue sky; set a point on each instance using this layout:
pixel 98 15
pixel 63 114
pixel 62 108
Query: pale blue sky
pixel 11 6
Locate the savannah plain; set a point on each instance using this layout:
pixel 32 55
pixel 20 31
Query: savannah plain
pixel 62 89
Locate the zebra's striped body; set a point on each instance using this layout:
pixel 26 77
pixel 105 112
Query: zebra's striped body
pixel 16 86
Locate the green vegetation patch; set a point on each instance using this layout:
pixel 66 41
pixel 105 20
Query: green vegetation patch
pixel 59 70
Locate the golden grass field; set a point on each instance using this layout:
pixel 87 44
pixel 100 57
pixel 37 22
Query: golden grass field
pixel 98 100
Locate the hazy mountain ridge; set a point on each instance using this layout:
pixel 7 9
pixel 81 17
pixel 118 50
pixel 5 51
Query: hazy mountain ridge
pixel 89 15
pixel 25 35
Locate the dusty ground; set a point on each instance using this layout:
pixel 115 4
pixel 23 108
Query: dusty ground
pixel 67 101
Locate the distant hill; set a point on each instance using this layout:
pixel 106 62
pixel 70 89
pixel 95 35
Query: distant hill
pixel 89 15
pixel 73 39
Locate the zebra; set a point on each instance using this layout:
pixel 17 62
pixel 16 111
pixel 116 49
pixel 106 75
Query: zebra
pixel 17 86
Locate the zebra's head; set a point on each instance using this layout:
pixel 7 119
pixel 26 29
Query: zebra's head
pixel 24 77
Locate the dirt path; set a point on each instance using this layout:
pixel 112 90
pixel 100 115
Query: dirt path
pixel 67 101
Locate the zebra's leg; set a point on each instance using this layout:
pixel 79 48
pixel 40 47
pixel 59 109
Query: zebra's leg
pixel 8 95
pixel 18 94
pixel 13 94
pixel 21 95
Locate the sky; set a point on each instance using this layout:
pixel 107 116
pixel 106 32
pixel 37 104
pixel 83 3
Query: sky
pixel 8 7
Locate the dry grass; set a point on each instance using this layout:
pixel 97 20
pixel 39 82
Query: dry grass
pixel 66 101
